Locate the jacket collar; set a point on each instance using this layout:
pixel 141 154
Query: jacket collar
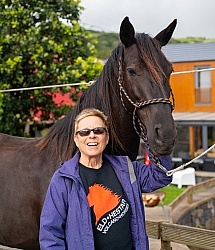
pixel 70 168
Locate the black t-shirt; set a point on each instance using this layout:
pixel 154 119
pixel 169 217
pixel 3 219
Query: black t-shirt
pixel 109 208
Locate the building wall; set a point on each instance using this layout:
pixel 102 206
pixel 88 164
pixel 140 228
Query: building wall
pixel 183 86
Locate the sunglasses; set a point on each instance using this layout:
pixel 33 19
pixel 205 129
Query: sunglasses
pixel 96 131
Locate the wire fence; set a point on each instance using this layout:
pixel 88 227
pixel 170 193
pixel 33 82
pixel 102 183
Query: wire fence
pixel 90 82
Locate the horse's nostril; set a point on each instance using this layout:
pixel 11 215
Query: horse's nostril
pixel 159 142
pixel 158 130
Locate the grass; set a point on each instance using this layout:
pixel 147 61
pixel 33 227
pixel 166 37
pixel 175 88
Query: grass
pixel 172 192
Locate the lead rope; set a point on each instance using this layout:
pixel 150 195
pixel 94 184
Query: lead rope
pixel 171 172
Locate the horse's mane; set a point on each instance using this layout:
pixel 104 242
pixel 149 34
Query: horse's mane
pixel 60 135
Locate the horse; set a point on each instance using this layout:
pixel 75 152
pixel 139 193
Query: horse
pixel 133 90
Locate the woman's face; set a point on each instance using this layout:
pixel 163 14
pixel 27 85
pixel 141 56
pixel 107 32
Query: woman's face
pixel 91 145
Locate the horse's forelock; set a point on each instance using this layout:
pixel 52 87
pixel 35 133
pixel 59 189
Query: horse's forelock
pixel 149 49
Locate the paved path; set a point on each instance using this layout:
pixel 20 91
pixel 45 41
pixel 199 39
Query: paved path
pixel 159 214
pixel 197 197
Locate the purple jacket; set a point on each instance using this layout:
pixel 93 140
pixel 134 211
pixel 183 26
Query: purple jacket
pixel 66 221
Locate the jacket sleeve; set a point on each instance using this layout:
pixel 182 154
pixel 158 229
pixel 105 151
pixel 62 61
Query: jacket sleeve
pixel 53 216
pixel 151 177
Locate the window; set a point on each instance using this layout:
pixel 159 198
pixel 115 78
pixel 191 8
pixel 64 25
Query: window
pixel 203 95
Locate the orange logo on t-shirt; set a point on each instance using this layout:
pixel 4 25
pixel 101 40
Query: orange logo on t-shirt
pixel 103 200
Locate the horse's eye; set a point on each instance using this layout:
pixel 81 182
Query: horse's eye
pixel 131 72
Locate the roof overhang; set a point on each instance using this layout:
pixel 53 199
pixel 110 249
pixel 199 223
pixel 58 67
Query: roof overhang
pixel 194 118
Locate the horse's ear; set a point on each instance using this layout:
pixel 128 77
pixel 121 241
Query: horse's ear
pixel 165 35
pixel 127 33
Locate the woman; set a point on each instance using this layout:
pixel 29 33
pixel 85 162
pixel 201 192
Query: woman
pixel 93 202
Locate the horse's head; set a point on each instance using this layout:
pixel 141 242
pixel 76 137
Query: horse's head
pixel 144 74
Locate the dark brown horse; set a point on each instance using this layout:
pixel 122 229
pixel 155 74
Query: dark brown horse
pixel 133 91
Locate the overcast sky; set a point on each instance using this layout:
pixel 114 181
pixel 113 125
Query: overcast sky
pixel 196 18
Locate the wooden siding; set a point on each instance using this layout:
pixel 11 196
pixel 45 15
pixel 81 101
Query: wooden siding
pixel 183 86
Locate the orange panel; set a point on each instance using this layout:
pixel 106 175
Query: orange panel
pixel 183 86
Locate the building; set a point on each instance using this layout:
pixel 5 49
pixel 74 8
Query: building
pixel 193 85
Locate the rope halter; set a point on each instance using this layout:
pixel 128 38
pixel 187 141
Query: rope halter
pixel 138 105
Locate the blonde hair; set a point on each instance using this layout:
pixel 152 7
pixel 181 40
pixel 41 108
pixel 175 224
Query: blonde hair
pixel 90 112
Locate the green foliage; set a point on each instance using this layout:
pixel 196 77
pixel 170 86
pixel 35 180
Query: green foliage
pixel 106 42
pixel 41 43
pixel 191 40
